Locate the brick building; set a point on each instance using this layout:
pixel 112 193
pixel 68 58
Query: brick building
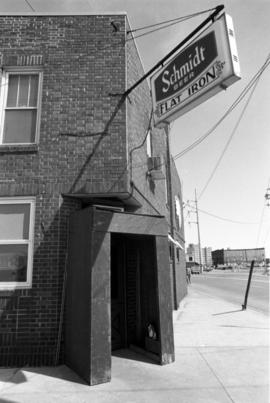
pixel 85 211
pixel 193 254
pixel 238 256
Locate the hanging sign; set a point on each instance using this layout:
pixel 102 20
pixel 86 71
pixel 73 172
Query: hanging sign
pixel 202 69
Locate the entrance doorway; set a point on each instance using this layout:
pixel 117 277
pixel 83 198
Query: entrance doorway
pixel 134 302
pixel 106 257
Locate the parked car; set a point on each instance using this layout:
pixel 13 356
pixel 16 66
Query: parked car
pixel 195 270
pixel 208 268
pixel 224 267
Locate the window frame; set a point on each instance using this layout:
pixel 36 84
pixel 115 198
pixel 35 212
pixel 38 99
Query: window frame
pixel 30 242
pixel 178 217
pixel 149 144
pixel 3 100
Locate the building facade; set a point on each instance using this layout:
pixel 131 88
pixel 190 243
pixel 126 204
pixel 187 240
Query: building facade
pixel 86 196
pixel 193 254
pixel 207 256
pixel 238 256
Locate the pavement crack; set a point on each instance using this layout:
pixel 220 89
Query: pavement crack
pixel 215 375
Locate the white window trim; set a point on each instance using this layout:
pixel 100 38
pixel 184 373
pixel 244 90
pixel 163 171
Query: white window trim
pixel 149 145
pixel 3 99
pixel 28 283
pixel 178 213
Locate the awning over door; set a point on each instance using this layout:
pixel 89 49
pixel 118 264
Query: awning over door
pixel 177 244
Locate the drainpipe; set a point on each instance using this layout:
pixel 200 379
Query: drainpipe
pixel 171 210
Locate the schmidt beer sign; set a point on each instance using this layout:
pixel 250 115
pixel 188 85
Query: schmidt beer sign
pixel 208 65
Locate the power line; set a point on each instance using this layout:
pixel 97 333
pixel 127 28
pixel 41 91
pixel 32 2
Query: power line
pixel 230 139
pixel 261 221
pixel 29 4
pixel 229 110
pixel 249 86
pixel 266 237
pixel 178 20
pixel 172 20
pixel 157 29
pixel 222 218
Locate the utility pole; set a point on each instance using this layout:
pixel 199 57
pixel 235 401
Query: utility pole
pixel 267 197
pixel 198 228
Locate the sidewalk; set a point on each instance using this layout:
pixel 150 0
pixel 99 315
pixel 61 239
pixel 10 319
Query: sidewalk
pixel 222 356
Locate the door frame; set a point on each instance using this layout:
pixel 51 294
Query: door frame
pixel 87 337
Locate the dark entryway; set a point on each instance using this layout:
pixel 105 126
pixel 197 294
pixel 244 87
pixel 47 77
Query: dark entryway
pixel 113 272
pixel 134 299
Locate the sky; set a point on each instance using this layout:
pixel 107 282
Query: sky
pixel 232 209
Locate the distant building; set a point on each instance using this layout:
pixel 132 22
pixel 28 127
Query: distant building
pixel 193 254
pixel 238 256
pixel 207 256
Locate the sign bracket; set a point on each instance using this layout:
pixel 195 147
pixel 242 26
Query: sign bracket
pixel 211 17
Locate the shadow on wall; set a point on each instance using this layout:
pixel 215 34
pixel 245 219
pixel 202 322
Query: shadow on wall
pixel 30 318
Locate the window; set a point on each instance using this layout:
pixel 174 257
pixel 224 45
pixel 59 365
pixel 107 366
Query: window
pixel 178 215
pixel 178 255
pixel 16 242
pixel 166 190
pixel 149 144
pixel 21 107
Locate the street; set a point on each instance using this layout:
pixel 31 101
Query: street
pixel 231 286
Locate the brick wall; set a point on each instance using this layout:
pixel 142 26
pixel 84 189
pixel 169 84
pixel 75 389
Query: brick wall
pixel 179 234
pixel 82 148
pixel 139 110
pixel 85 146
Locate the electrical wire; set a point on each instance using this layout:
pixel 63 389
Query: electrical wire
pixel 155 30
pixel 229 140
pixel 266 237
pixel 245 91
pixel 160 28
pixel 29 4
pixel 229 110
pixel 261 221
pixel 222 218
pixel 168 21
pixel 129 163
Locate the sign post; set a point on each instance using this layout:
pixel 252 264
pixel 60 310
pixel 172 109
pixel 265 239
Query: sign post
pixel 244 305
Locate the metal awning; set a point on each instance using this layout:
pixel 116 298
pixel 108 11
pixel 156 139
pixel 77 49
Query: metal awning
pixel 176 243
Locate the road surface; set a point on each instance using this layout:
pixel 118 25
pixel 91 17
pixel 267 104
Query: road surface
pixel 231 286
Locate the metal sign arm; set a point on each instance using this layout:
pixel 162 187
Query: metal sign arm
pixel 211 17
